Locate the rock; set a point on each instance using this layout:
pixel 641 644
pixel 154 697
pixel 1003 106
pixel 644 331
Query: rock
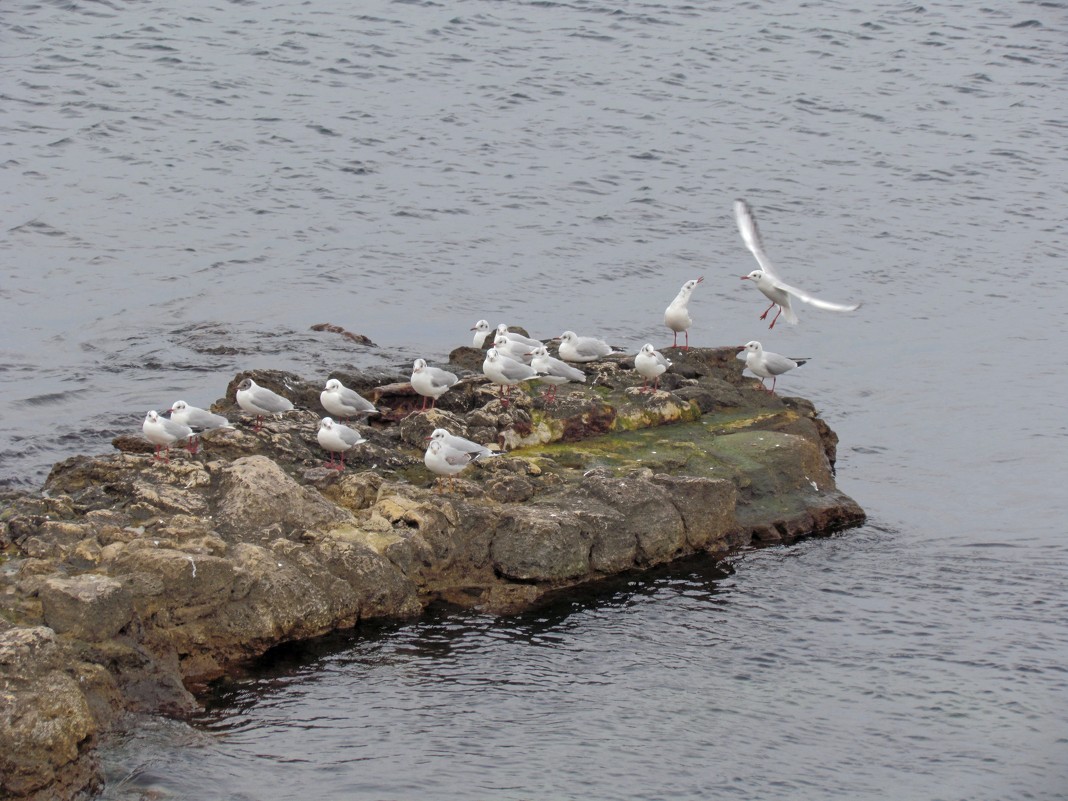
pixel 530 546
pixel 257 497
pixel 91 606
pixel 47 729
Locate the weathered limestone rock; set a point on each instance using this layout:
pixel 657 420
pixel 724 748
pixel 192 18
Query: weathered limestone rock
pixel 91 606
pixel 258 496
pixel 46 724
pixel 530 546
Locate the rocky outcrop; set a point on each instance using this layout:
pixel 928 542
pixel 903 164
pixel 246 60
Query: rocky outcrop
pixel 129 582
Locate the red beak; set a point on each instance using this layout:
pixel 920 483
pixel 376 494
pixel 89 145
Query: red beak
pixel 745 277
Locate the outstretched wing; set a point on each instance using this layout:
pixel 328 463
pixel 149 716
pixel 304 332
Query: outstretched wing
pixel 747 227
pixel 812 300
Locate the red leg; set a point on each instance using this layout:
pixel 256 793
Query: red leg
pixel 675 342
pixel 764 316
pixel 776 318
pixel 687 347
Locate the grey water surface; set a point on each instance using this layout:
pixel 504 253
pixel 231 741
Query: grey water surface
pixel 189 187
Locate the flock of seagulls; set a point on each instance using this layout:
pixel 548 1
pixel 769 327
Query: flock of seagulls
pixel 512 359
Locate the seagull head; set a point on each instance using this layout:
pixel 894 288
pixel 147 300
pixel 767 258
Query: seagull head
pixel 152 416
pixel 542 351
pixel 246 385
pixel 756 275
pixel 648 349
pixel 481 325
pixel 567 336
pixel 692 283
pixel 418 364
pixel 327 423
pixel 438 434
pixel 179 406
pixel 752 347
pixel 332 385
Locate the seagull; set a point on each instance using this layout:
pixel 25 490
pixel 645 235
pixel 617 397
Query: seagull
pixel 651 364
pixel 431 382
pixel 163 433
pixel 502 330
pixel 343 402
pixel 461 444
pixel 199 420
pixel 574 348
pixel 677 316
pixel 445 461
pixel 481 329
pixel 260 401
pixel 513 349
pixel 553 371
pixel 339 439
pixel 765 364
pixel 506 372
pixel 767 278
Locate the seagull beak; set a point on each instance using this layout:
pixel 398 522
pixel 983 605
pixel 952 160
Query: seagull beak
pixel 741 347
pixel 745 277
pixel 474 328
pixel 700 279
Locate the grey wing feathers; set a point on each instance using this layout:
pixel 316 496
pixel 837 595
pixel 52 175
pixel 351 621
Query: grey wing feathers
pixel 266 399
pixel 661 359
pixel 176 430
pixel 565 370
pixel 441 378
pixel 356 401
pixel 203 419
pixel 777 364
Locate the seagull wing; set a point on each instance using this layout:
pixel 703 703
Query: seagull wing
pixel 441 378
pixel 747 227
pixel 812 300
pixel 777 364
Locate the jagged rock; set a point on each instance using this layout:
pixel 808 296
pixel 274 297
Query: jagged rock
pixel 530 546
pixel 47 729
pixel 91 606
pixel 257 496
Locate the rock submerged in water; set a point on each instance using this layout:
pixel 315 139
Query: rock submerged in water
pixel 129 582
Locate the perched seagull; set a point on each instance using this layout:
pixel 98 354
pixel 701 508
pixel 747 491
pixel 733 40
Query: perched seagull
pixel 481 329
pixel 512 348
pixel 260 401
pixel 651 364
pixel 765 364
pixel 445 461
pixel 574 348
pixel 339 439
pixel 163 433
pixel 767 278
pixel 506 372
pixel 431 382
pixel 553 371
pixel 502 330
pixel 677 316
pixel 199 420
pixel 460 444
pixel 343 402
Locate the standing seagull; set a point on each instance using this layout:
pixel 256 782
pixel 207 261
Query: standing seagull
pixel 651 364
pixel 677 316
pixel 506 372
pixel 260 401
pixel 461 444
pixel 765 364
pixel 431 382
pixel 446 461
pixel 574 348
pixel 163 433
pixel 553 371
pixel 481 328
pixel 767 278
pixel 502 330
pixel 199 420
pixel 343 402
pixel 339 439
pixel 512 348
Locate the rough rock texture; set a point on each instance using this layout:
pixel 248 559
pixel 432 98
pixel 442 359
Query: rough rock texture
pixel 129 582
